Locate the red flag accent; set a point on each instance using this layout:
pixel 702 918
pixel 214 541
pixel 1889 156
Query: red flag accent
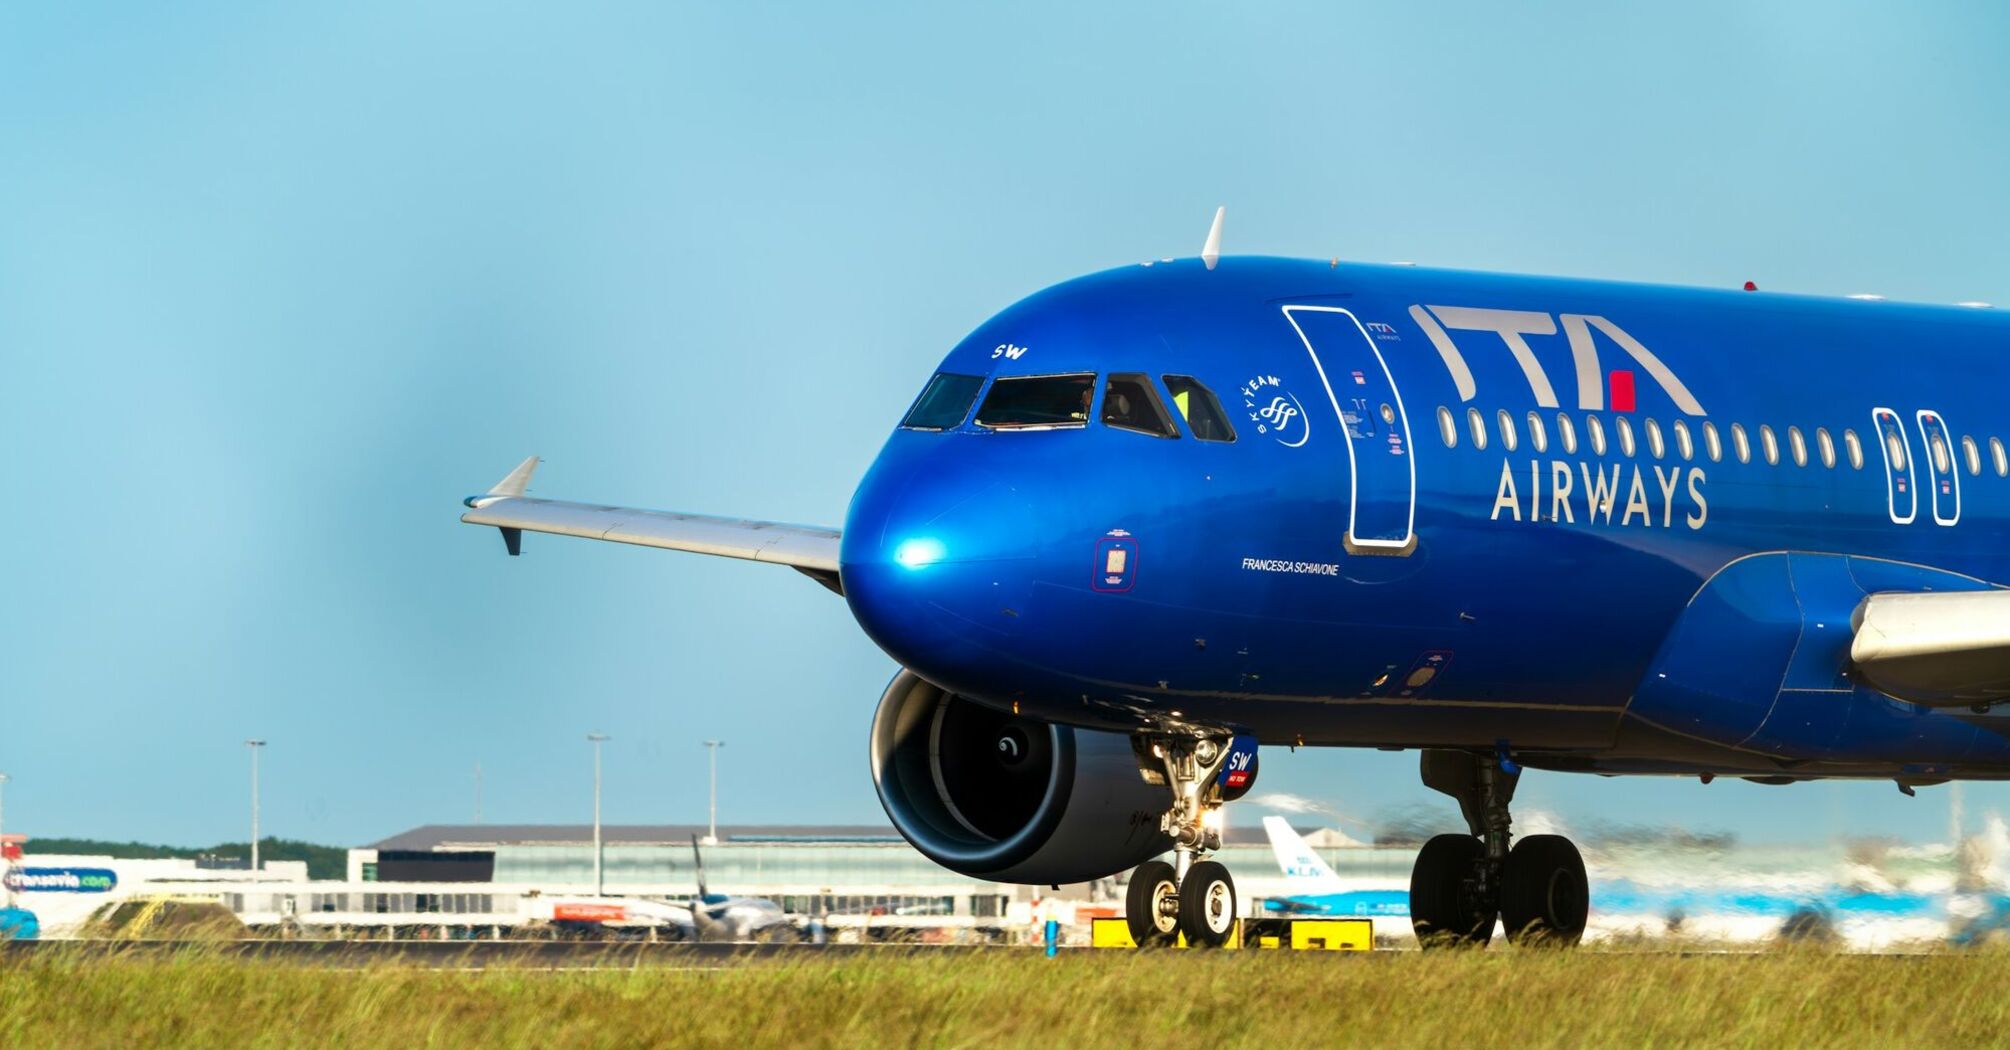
pixel 1622 391
pixel 589 913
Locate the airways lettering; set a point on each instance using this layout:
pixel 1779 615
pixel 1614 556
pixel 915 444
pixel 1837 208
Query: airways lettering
pixel 1599 489
pixel 1602 488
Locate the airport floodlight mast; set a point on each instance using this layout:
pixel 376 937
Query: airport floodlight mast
pixel 256 746
pixel 599 885
pixel 712 825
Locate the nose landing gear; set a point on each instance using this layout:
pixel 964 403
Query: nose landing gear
pixel 1192 896
pixel 1462 883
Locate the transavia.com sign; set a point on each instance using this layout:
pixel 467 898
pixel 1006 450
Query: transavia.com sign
pixel 62 880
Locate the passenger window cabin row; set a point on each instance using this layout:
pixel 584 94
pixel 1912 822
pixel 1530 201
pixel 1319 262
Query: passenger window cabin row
pixel 1681 440
pixel 1130 402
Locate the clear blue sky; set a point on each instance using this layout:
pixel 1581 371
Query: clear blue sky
pixel 280 283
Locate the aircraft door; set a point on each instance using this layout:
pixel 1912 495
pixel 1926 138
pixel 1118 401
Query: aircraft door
pixel 1899 490
pixel 1940 468
pixel 1382 470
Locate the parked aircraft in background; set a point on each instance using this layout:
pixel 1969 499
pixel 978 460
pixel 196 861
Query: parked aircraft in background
pixel 1315 889
pixel 706 917
pixel 1146 519
pixel 718 917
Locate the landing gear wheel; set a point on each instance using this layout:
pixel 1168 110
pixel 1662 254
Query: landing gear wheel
pixel 1150 906
pixel 1207 905
pixel 1544 895
pixel 1445 905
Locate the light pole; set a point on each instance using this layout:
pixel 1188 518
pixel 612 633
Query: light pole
pixel 712 826
pixel 256 746
pixel 478 793
pixel 599 886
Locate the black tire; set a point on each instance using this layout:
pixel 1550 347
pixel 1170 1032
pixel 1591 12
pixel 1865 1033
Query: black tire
pixel 1810 924
pixel 1207 905
pixel 1545 897
pixel 1444 909
pixel 1151 926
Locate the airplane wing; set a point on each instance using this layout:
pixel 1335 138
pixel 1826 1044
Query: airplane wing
pixel 810 550
pixel 1940 648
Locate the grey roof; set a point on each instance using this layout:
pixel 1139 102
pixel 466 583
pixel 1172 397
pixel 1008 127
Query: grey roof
pixel 483 836
pixel 489 836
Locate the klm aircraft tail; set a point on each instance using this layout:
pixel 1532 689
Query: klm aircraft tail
pixel 698 863
pixel 1303 869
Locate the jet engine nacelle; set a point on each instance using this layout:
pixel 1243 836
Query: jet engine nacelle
pixel 986 793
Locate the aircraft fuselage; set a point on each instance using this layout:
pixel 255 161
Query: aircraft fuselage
pixel 1606 527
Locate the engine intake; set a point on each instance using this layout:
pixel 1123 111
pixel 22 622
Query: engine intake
pixel 989 794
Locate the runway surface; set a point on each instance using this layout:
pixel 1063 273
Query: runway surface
pixel 475 955
pixel 589 955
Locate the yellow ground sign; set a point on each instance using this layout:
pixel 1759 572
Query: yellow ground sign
pixel 1332 935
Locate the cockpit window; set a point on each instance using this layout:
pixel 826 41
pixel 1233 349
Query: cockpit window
pixel 1027 402
pixel 944 403
pixel 1197 405
pixel 1129 403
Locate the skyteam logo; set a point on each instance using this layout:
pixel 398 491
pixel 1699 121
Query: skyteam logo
pixel 1514 327
pixel 1276 411
pixel 1279 413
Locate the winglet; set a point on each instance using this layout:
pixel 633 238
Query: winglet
pixel 513 484
pixel 1210 253
pixel 517 480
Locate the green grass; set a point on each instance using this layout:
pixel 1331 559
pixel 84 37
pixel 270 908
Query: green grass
pixel 1104 998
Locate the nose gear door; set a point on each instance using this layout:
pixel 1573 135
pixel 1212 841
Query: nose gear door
pixel 1382 474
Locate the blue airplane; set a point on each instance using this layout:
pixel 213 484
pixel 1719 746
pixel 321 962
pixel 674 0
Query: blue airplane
pixel 1144 520
pixel 1316 890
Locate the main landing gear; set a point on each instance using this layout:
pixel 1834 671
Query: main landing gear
pixel 1462 883
pixel 1191 896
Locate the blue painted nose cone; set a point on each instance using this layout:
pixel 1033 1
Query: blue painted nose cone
pixel 936 565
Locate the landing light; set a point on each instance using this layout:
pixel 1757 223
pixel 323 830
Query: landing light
pixel 918 553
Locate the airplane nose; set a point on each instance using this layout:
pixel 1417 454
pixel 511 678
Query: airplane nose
pixel 936 566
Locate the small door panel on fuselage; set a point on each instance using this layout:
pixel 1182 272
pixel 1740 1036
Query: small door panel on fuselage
pixel 1369 410
pixel 1902 494
pixel 1938 447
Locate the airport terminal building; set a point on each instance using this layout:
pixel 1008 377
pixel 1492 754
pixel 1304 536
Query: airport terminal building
pixel 493 879
pixel 856 883
pixel 809 870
